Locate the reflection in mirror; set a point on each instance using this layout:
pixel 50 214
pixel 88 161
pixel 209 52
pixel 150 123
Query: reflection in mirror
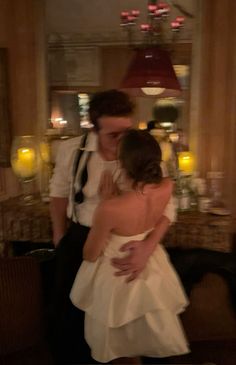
pixel 69 109
pixel 83 100
pixel 68 113
pixel 64 114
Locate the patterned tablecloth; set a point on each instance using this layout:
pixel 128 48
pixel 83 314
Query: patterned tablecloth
pixel 192 229
pixel 201 230
pixel 25 222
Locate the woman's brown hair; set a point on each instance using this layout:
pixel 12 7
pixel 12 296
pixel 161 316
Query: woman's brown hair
pixel 140 156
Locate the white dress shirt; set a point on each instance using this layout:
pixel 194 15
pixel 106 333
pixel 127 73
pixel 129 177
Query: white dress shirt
pixel 63 183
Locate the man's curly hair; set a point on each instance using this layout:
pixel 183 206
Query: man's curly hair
pixel 112 103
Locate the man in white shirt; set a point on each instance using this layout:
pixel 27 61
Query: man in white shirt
pixel 87 171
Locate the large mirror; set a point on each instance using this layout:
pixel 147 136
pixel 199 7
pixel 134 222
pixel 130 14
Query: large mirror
pixel 88 53
pixel 68 103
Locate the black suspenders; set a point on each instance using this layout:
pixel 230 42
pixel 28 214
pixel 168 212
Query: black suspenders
pixel 79 196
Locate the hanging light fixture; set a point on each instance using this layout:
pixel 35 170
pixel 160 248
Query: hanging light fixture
pixel 151 71
pixel 152 90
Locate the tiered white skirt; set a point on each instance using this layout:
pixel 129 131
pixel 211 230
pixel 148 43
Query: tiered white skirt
pixel 139 318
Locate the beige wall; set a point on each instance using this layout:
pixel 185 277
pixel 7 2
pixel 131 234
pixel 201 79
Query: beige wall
pixel 22 33
pixel 213 118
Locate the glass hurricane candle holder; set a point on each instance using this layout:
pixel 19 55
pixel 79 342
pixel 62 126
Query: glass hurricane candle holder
pixel 24 162
pixel 186 161
pixel 45 155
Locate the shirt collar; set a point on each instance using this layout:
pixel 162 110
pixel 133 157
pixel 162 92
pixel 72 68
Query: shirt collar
pixel 92 142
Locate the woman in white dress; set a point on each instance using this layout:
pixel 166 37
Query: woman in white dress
pixel 125 320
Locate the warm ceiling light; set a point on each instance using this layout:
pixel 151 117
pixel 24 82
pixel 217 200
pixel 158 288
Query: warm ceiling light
pixel 151 68
pixel 181 70
pixel 152 90
pixel 151 72
pixel 142 125
pixel 157 13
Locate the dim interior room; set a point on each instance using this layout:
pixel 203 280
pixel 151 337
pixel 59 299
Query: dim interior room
pixel 54 55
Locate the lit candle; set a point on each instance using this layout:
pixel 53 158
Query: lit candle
pixel 162 5
pixel 25 163
pixel 145 27
pixel 180 20
pixel 152 9
pixel 175 25
pixel 124 17
pixel 135 13
pixel 158 13
pixel 131 19
pixel 162 9
pixel 142 125
pixel 186 162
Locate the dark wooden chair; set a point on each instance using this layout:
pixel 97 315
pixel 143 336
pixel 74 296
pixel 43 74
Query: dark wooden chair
pixel 22 332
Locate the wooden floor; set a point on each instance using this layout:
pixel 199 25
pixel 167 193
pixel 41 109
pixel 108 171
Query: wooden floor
pixel 212 352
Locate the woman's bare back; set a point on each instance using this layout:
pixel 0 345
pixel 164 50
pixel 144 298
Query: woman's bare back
pixel 138 210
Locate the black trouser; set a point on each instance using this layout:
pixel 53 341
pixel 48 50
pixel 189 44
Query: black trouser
pixel 69 344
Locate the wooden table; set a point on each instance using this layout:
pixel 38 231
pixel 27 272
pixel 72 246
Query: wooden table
pixel 192 229
pixel 201 230
pixel 25 222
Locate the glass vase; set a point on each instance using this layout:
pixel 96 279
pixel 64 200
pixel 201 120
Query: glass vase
pixel 24 162
pixel 46 167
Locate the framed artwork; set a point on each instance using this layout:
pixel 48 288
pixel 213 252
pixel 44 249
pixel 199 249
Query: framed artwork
pixel 5 135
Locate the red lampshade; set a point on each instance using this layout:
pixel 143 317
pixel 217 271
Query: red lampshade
pixel 151 68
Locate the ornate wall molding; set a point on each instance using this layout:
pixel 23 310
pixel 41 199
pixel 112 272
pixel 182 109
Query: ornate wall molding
pixel 85 39
pixel 103 38
pixel 75 58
